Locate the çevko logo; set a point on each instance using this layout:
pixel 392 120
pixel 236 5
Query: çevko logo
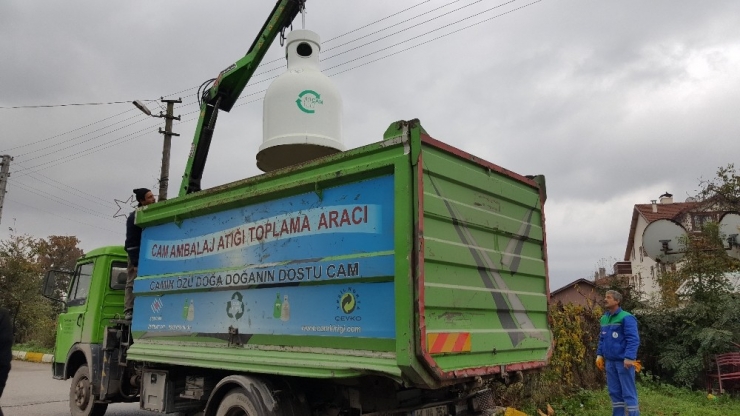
pixel 348 302
pixel 308 100
pixel 235 307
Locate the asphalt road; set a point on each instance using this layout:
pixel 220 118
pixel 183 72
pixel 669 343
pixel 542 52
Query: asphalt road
pixel 31 391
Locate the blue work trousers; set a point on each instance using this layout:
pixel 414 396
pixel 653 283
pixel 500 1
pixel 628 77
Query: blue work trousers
pixel 620 382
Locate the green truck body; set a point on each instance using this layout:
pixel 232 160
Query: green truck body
pixel 406 260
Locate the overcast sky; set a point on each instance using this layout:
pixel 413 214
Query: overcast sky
pixel 615 102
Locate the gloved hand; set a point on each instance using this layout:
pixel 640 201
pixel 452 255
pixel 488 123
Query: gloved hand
pixel 600 362
pixel 638 366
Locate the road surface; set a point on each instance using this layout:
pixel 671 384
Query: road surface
pixel 31 391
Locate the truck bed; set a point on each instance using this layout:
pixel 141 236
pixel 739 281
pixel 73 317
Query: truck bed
pixel 406 258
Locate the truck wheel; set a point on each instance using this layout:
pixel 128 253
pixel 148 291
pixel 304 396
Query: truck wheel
pixel 237 403
pixel 81 400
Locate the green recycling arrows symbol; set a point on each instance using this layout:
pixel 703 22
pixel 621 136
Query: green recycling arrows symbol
pixel 313 96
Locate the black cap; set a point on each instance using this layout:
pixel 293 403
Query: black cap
pixel 141 194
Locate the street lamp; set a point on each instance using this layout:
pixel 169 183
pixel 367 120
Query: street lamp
pixel 167 132
pixel 141 106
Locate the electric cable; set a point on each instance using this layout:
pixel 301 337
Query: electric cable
pixel 13 200
pixel 65 105
pixel 408 20
pixel 102 147
pixel 380 20
pixel 81 194
pixel 62 201
pixel 202 85
pixel 353 60
pixel 423 43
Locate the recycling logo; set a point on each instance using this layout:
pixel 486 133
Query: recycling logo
pixel 348 301
pixel 308 100
pixel 235 307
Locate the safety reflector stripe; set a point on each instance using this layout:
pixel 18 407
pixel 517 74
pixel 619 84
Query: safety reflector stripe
pixel 446 342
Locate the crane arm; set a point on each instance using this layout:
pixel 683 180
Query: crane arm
pixel 227 88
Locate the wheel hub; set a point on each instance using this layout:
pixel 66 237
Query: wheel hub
pixel 82 393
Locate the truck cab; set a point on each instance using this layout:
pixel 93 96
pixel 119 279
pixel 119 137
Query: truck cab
pixel 93 298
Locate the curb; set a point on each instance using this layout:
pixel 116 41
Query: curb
pixel 35 357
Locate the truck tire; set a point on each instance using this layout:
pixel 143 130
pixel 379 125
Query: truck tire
pixel 81 400
pixel 237 403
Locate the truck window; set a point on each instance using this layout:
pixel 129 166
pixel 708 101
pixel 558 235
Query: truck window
pixel 118 275
pixel 80 284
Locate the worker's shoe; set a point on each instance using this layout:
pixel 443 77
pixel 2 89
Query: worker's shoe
pixel 128 315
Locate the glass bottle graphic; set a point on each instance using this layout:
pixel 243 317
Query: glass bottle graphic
pixel 185 308
pixel 191 311
pixel 285 310
pixel 277 310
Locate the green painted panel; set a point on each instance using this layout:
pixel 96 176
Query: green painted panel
pixel 460 254
pixel 442 273
pixel 480 182
pixel 479 218
pixel 484 263
pixel 450 298
pixel 308 362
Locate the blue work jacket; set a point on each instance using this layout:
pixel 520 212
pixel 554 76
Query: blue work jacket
pixel 618 338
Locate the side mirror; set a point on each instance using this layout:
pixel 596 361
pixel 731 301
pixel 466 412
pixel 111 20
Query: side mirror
pixel 49 290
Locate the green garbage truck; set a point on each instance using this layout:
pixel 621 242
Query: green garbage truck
pixel 398 278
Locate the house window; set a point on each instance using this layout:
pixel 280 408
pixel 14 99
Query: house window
pixel 633 252
pixel 641 256
pixel 662 267
pixel 699 220
pixel 652 271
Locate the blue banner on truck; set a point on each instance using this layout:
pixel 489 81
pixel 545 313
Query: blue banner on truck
pixel 342 310
pixel 345 232
pixel 291 266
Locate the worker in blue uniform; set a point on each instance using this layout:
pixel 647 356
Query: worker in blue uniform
pixel 617 352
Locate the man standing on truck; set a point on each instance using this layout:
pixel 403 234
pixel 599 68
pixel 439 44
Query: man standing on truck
pixel 617 352
pixel 6 352
pixel 144 197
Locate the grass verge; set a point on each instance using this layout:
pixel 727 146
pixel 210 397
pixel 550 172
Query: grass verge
pixel 32 347
pixel 655 400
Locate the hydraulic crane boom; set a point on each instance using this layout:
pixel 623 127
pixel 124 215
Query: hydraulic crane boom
pixel 227 88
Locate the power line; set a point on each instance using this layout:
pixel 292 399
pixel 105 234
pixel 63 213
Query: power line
pixel 118 141
pixel 55 152
pixel 85 152
pixel 65 105
pixel 61 201
pixel 423 43
pixel 80 194
pixel 379 20
pixel 408 20
pixel 68 219
pixel 425 33
pixel 192 88
pixel 347 33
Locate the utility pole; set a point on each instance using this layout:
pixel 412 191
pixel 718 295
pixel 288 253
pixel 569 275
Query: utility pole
pixel 164 176
pixel 4 174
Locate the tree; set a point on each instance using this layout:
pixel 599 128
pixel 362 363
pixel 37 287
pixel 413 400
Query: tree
pixel 59 253
pixel 724 188
pixel 20 281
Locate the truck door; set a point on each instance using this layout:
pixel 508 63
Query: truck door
pixel 71 322
pixel 112 303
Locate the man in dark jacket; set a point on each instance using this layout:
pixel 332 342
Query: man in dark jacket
pixel 617 352
pixel 6 352
pixel 133 240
